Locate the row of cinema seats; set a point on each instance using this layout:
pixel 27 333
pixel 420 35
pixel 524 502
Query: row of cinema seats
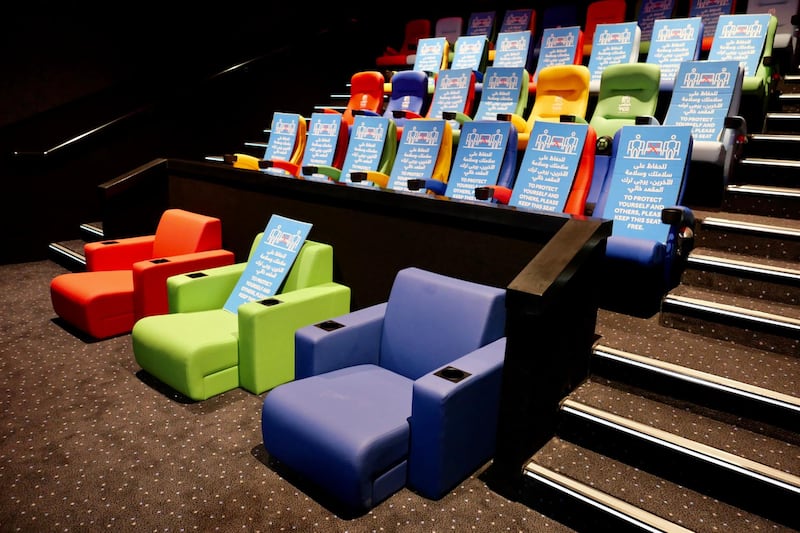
pixel 364 403
pixel 426 158
pixel 588 16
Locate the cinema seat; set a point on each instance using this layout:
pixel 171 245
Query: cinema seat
pixel 653 229
pixel 125 279
pixel 404 393
pixel 201 349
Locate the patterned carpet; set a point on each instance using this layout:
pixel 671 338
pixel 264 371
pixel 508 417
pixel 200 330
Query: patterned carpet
pixel 91 443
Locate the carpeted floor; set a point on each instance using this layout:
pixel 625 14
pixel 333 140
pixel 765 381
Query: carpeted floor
pixel 90 442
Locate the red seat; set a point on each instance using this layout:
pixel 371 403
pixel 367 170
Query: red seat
pixel 126 278
pixel 366 95
pixel 415 30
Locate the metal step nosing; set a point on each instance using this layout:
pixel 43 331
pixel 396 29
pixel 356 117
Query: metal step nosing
pixel 88 228
pixel 732 264
pixel 788 137
pixel 698 450
pixel 734 312
pixel 603 501
pixel 764 190
pixel 763 161
pixel 698 377
pixel 67 252
pixel 740 225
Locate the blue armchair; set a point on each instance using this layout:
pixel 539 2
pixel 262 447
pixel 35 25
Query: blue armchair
pixel 404 393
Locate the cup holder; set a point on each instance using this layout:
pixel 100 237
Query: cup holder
pixel 451 373
pixel 329 325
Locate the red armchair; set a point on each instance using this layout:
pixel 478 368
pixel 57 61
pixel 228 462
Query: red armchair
pixel 125 279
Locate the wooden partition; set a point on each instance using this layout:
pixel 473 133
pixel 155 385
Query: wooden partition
pixel 548 263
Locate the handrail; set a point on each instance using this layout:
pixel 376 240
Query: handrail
pixel 94 131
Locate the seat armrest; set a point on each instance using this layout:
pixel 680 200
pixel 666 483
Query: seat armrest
pixel 646 120
pixel 267 331
pixel 431 185
pixel 454 420
pixel 204 289
pixel 372 176
pixel 495 192
pixel 150 278
pixel 333 173
pixel 458 116
pixel 346 340
pixel 292 168
pixel 119 254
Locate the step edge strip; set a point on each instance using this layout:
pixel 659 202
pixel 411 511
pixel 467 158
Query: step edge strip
pixel 735 224
pixel 708 260
pixel 67 252
pixel 769 161
pixel 764 190
pixel 698 450
pixel 732 386
pixel 602 500
pixel 733 311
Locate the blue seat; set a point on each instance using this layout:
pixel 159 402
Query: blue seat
pixel 404 393
pixel 653 229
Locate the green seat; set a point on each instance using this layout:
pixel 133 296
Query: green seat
pixel 627 91
pixel 202 350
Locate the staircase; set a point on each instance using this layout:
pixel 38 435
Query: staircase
pixel 69 254
pixel 690 420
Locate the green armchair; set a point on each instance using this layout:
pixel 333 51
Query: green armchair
pixel 201 350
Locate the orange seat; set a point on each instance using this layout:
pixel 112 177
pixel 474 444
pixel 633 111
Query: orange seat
pixel 366 94
pixel 415 30
pixel 126 278
pixel 601 12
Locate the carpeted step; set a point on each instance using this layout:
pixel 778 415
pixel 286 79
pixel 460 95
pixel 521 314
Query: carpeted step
pixel 702 449
pixel 783 122
pixel 765 200
pixel 749 321
pixel 763 278
pixel 767 171
pixel 760 385
pixel 771 146
pixel 749 234
pixel 68 254
pixel 570 479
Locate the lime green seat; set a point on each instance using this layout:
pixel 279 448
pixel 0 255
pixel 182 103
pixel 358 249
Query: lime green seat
pixel 627 91
pixel 201 350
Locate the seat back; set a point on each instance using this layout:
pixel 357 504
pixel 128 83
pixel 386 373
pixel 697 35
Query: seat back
pixel 560 46
pixel 613 44
pixel 514 49
pixel 496 165
pixel 710 12
pixel 705 93
pixel 505 91
pixel 415 30
pixel 366 94
pixel 783 11
pixel 287 140
pixel 454 92
pixel 557 167
pixel 425 152
pixel 673 42
pixel 409 94
pixel 183 232
pixel 472 52
pixel 601 12
pixel 450 28
pixel 651 11
pixel 432 319
pixel 648 172
pixel 327 141
pixel 627 91
pixel 483 23
pixel 560 90
pixel 372 146
pixel 747 39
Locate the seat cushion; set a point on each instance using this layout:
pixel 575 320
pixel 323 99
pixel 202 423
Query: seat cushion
pixel 353 426
pixel 97 303
pixel 196 354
